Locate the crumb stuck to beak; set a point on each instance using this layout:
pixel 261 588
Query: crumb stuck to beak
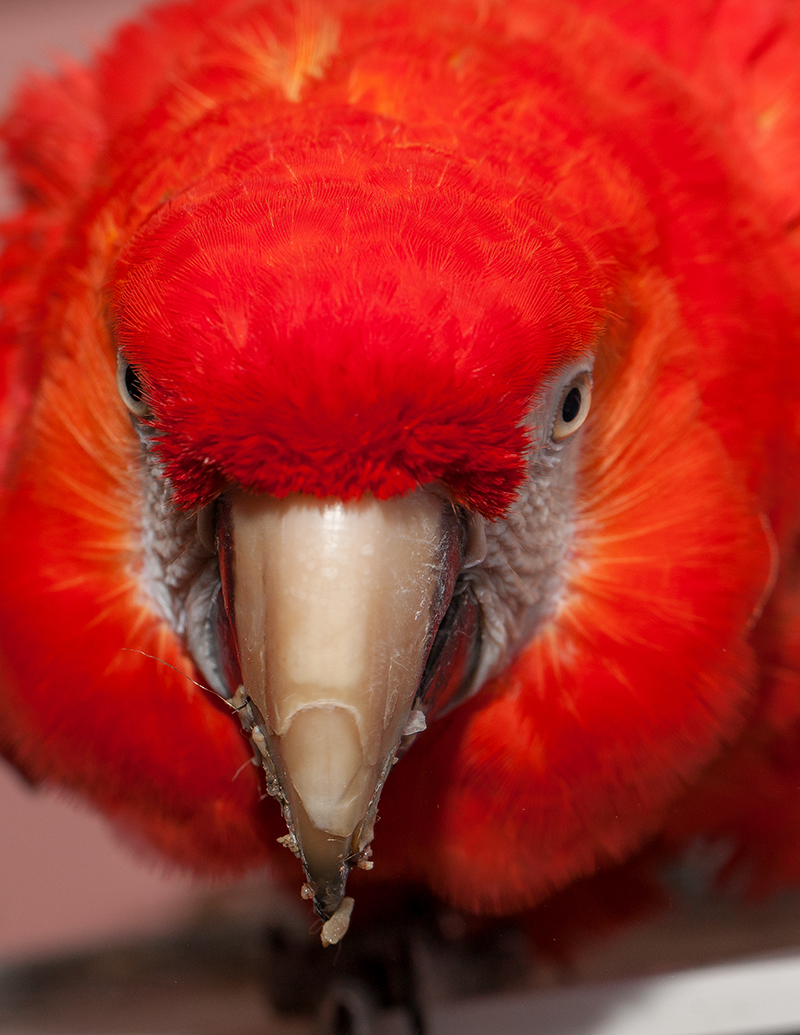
pixel 335 929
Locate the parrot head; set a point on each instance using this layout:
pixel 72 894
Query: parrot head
pixel 339 369
pixel 366 371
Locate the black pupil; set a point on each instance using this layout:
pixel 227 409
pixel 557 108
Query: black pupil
pixel 572 405
pixel 133 386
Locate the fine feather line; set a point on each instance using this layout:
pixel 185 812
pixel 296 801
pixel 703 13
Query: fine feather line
pixel 135 650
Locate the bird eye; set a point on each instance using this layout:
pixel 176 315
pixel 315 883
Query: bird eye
pixel 573 407
pixel 131 389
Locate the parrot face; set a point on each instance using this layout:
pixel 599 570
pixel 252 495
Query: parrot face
pixel 346 611
pixel 379 374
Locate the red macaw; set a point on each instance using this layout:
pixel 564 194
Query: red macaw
pixel 370 366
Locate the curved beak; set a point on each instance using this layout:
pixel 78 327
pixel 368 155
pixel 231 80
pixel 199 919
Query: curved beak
pixel 334 608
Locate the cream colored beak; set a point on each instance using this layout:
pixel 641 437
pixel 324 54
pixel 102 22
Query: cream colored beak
pixel 334 607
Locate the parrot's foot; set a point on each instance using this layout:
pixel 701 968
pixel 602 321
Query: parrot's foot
pixel 350 988
pixel 391 967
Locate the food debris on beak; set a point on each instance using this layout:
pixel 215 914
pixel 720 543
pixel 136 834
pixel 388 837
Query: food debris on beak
pixel 335 929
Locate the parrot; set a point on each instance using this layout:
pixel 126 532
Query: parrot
pixel 400 420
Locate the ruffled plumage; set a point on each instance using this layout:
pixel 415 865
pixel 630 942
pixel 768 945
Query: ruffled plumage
pixel 471 195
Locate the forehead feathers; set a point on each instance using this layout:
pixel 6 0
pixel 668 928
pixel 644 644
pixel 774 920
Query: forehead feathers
pixel 348 317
